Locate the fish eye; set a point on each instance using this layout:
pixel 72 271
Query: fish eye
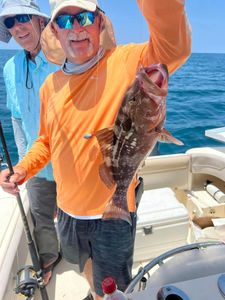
pixel 132 100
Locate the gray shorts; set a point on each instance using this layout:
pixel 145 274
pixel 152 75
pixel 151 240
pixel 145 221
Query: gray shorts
pixel 42 198
pixel 109 244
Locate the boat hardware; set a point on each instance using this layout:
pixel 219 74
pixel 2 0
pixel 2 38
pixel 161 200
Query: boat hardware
pixel 142 284
pixel 143 280
pixel 221 284
pixel 161 258
pixel 171 292
pixel 31 245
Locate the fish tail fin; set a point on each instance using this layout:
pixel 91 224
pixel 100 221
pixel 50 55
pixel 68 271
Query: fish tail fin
pixel 113 211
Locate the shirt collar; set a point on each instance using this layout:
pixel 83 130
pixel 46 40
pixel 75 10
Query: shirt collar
pixel 40 59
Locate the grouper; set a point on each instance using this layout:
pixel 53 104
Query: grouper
pixel 139 124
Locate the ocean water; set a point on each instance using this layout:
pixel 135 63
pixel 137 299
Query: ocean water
pixel 4 112
pixel 196 102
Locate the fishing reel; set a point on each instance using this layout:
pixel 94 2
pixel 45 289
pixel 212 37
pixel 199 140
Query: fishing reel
pixel 26 281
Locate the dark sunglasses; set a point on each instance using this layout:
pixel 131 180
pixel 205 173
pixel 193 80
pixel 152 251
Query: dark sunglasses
pixel 10 21
pixel 84 19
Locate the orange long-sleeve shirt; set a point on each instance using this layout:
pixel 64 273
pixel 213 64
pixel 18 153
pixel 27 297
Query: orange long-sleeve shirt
pixel 74 105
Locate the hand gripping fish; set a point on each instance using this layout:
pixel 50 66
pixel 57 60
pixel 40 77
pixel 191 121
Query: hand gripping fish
pixel 138 126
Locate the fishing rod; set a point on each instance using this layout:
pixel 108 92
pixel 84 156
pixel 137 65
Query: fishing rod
pixel 29 277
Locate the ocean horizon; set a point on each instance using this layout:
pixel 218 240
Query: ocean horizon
pixel 195 102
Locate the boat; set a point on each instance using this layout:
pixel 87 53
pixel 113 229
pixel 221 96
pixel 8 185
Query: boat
pixel 181 258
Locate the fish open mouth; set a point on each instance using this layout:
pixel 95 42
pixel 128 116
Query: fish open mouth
pixel 158 74
pixel 153 81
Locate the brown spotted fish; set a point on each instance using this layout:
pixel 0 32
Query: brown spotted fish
pixel 138 126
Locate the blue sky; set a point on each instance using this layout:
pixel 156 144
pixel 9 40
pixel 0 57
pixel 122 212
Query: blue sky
pixel 207 18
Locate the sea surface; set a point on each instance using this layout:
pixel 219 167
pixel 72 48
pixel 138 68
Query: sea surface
pixel 196 102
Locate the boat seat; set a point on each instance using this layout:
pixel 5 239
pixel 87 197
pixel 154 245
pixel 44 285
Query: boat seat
pixel 159 171
pixel 209 161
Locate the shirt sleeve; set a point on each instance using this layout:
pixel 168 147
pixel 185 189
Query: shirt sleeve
pixel 39 154
pixel 19 136
pixel 170 33
pixel 11 97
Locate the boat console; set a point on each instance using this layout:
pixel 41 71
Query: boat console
pixel 190 272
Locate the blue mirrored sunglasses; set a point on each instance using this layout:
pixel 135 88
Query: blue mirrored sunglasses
pixel 10 21
pixel 84 19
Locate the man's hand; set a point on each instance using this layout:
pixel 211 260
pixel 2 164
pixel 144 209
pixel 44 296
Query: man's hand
pixel 9 183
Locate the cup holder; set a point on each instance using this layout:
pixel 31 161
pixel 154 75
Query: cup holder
pixel 173 297
pixel 171 292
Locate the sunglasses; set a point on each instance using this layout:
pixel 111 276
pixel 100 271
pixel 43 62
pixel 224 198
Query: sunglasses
pixel 10 21
pixel 84 19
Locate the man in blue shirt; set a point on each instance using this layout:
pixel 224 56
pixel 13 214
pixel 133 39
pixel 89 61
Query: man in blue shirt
pixel 24 73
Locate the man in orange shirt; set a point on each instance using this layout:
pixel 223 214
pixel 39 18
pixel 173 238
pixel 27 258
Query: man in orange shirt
pixel 83 97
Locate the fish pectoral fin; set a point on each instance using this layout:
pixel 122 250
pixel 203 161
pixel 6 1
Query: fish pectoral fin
pixel 105 138
pixel 166 137
pixel 106 176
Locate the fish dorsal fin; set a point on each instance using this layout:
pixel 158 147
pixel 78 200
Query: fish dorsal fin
pixel 166 137
pixel 105 140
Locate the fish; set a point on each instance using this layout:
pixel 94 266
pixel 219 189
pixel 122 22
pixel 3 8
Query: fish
pixel 138 125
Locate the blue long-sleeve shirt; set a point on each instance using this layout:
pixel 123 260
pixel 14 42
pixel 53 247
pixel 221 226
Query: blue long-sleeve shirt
pixel 23 102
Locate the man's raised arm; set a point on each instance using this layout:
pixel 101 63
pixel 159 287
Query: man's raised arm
pixel 170 33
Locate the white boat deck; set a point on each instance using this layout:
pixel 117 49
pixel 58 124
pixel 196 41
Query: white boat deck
pixel 183 173
pixel 66 283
